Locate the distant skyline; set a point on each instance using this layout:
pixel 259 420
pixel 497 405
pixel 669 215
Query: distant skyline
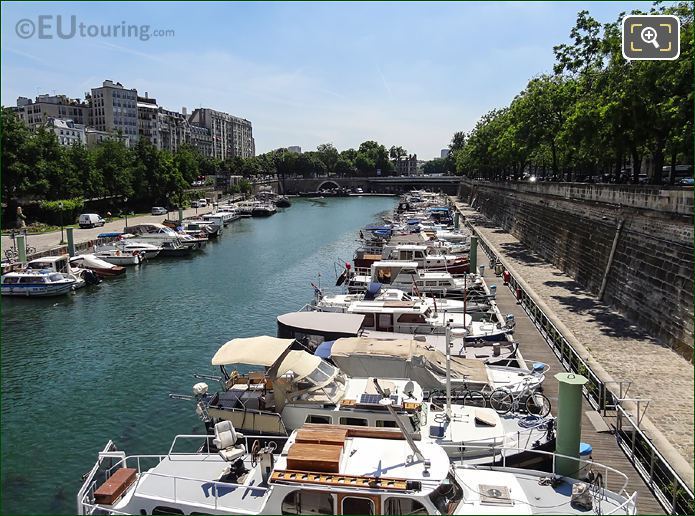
pixel 408 74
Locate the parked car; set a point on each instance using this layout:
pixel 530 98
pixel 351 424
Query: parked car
pixel 158 210
pixel 202 203
pixel 90 220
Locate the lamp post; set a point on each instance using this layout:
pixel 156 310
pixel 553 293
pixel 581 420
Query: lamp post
pixel 62 238
pixel 125 203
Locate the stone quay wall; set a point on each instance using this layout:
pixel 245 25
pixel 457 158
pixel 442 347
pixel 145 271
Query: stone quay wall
pixel 650 278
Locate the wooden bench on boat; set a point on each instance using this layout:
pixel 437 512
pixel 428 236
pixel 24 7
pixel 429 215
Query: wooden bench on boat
pixel 115 486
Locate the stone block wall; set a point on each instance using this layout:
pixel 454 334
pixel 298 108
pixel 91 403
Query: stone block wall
pixel 651 277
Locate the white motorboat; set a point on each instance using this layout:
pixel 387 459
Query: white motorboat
pixel 341 302
pixel 118 257
pixel 414 318
pixel 160 235
pixel 402 358
pixel 37 283
pixel 334 470
pixel 263 209
pixel 299 387
pixel 130 245
pixel 100 267
pixel 409 277
pixel 83 276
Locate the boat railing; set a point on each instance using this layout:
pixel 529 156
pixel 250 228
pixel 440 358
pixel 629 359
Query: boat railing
pixel 603 475
pixel 85 496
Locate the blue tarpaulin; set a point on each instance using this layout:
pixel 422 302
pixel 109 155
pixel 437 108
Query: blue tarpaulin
pixel 324 349
pixel 109 235
pixel 372 291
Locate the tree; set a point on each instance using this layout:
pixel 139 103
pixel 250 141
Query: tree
pixel 328 155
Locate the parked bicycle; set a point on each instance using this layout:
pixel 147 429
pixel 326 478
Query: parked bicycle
pixel 504 400
pixel 12 254
pixel 460 396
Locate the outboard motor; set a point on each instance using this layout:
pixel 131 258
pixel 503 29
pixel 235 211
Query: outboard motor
pixel 509 321
pixel 90 277
pixel 200 391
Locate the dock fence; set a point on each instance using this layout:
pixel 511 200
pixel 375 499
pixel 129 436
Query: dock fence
pixel 667 485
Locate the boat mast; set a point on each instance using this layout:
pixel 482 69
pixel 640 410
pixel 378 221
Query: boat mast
pixel 448 366
pixel 388 403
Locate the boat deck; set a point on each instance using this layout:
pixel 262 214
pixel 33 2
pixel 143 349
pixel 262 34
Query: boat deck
pixel 187 479
pixel 535 349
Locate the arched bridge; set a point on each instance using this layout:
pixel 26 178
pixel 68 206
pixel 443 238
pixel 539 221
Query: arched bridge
pixel 395 185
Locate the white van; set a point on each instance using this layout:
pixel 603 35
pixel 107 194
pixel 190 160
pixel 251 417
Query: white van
pixel 202 203
pixel 90 220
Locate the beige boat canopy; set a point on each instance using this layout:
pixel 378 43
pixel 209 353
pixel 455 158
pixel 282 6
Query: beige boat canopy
pixel 470 369
pixel 299 362
pixel 258 351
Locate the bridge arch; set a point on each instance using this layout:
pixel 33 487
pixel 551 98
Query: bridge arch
pixel 332 184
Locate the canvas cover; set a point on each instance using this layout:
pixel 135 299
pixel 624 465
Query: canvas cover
pixel 258 351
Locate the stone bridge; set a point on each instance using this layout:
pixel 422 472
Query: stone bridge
pixel 395 185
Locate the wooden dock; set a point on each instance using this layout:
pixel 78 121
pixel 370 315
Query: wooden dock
pixel 534 348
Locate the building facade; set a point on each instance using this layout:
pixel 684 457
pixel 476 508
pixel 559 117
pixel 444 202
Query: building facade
pixel 295 148
pixel 67 131
pixel 37 113
pixel 407 166
pixel 114 109
pixel 231 136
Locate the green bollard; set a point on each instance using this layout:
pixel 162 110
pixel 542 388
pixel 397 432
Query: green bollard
pixel 473 256
pixel 180 215
pixel 21 249
pixel 569 423
pixel 71 241
pixel 457 215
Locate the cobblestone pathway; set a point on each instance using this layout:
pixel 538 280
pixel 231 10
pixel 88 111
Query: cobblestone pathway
pixel 622 349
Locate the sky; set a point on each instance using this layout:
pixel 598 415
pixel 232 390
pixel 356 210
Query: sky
pixel 408 74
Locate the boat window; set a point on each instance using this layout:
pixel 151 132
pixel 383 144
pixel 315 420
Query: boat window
pixel 384 423
pixel 357 505
pixel 397 505
pixel 308 502
pixel 411 318
pixel 55 277
pixel 419 254
pixel 32 279
pixel 321 420
pixel 39 265
pixel 431 283
pixel 354 421
pixel 10 279
pixel 160 509
pixel 368 321
pixel 447 495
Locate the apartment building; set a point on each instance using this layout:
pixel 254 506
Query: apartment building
pixel 36 113
pixel 231 136
pixel 67 131
pixel 114 109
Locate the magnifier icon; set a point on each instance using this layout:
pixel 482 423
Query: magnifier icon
pixel 648 35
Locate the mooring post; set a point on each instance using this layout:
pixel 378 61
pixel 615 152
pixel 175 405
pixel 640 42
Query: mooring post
pixel 21 244
pixel 71 241
pixel 457 216
pixel 569 423
pixel 473 255
pixel 180 215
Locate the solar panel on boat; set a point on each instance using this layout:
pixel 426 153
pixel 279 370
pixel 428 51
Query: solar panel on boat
pixel 374 399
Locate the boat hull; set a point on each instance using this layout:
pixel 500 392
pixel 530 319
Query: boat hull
pixel 36 290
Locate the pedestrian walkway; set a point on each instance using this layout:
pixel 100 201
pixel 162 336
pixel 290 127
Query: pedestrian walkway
pixel 621 349
pixel 534 349
pixel 45 241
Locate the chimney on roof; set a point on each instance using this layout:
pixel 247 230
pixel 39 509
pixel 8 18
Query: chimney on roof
pixel 184 111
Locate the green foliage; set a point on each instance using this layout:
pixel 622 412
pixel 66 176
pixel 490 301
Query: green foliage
pixel 596 116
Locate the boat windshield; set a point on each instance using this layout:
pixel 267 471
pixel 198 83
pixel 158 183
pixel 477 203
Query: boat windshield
pixel 447 495
pixel 323 373
pixel 429 313
pixel 56 277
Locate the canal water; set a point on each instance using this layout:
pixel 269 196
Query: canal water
pixel 99 364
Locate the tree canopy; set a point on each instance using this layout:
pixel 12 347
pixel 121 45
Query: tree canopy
pixel 596 116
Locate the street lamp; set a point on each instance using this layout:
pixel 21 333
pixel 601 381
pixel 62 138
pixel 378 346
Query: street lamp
pixel 60 207
pixel 125 201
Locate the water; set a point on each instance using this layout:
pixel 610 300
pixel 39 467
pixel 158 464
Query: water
pixel 99 364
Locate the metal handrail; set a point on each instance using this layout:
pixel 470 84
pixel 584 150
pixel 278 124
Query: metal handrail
pixel 600 396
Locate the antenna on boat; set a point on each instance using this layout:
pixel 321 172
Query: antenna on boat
pixel 387 402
